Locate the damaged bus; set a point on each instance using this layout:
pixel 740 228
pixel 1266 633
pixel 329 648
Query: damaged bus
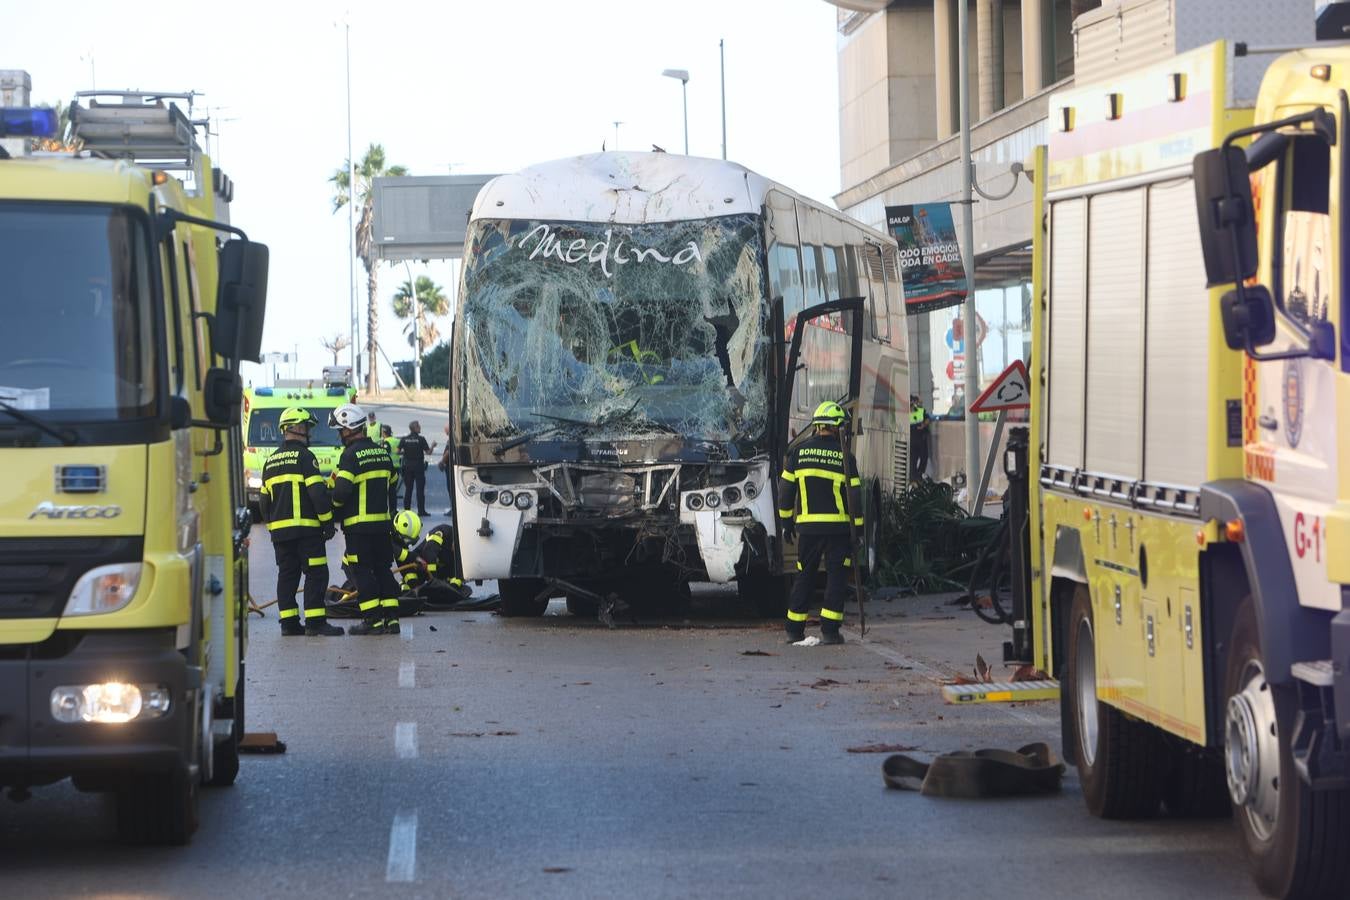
pixel 637 338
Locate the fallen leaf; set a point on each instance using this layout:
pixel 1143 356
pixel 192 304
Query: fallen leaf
pixel 432 627
pixel 756 653
pixel 982 669
pixel 882 748
pixel 581 682
pixel 1029 673
pixel 557 870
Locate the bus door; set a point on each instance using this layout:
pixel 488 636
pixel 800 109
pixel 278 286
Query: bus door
pixel 852 308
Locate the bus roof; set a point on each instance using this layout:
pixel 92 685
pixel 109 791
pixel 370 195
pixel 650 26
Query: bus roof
pixel 625 188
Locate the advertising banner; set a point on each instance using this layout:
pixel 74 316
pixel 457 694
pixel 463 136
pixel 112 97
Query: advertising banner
pixel 930 257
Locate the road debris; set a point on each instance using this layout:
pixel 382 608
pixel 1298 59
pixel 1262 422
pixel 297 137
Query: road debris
pixel 757 653
pixel 881 748
pixel 811 641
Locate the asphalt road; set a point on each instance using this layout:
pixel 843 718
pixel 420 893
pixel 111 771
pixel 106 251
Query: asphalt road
pixel 475 756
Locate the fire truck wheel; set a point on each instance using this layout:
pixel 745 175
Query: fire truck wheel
pixel 226 768
pixel 519 597
pixel 1117 757
pixel 1194 787
pixel 161 807
pixel 1295 838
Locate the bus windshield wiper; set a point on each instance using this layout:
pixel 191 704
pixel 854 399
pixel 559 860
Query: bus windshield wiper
pixel 64 435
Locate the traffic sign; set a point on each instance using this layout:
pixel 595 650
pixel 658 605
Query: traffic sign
pixel 1009 391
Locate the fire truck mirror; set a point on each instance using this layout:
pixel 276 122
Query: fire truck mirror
pixel 242 300
pixel 1249 318
pixel 1223 200
pixel 222 395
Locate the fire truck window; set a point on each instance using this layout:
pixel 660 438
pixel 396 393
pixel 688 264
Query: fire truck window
pixel 1303 278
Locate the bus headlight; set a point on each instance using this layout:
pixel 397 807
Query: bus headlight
pixel 524 500
pixel 713 499
pixel 109 702
pixel 731 495
pixel 104 589
pixel 694 502
pixel 506 498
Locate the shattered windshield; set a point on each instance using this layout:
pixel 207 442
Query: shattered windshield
pixel 615 332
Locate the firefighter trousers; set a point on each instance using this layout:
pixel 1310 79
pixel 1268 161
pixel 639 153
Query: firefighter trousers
pixel 370 558
pixel 308 555
pixel 834 550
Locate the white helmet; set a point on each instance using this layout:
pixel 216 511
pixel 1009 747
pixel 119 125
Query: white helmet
pixel 348 417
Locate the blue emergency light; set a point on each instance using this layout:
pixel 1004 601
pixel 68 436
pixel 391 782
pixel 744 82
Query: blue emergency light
pixel 263 392
pixel 18 121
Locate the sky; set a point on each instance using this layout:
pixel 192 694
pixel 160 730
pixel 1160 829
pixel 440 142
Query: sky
pixel 450 87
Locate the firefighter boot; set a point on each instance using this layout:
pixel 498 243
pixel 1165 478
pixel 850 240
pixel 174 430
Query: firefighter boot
pixel 391 626
pixel 319 625
pixel 796 631
pixel 291 627
pixel 368 626
pixel 831 635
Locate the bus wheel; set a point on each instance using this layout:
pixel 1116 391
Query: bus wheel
pixel 765 594
pixel 1116 756
pixel 519 597
pixel 1295 837
pixel 582 607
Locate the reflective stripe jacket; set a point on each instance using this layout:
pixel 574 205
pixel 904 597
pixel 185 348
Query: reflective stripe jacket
pixel 437 552
pixel 827 486
pixel 362 498
pixel 294 497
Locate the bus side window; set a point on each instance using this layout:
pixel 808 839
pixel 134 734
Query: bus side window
pixel 811 280
pixel 830 269
pixel 876 279
pixel 785 280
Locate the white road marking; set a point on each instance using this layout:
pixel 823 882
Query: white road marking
pixel 402 864
pixel 405 632
pixel 901 659
pixel 407 674
pixel 405 740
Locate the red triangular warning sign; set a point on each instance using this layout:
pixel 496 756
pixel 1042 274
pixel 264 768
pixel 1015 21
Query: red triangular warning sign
pixel 1009 391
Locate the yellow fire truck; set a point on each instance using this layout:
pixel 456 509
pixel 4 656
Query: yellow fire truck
pixel 1190 501
pixel 128 301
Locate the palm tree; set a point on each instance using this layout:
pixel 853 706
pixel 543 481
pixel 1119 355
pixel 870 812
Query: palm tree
pixel 430 299
pixel 370 167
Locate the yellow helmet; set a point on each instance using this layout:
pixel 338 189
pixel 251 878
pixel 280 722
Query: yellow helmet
pixel 829 413
pixel 408 526
pixel 294 416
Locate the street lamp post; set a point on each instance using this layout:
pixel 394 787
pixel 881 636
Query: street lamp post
pixel 683 76
pixel 417 329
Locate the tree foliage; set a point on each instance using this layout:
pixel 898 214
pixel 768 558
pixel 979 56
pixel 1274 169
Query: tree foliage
pixel 371 166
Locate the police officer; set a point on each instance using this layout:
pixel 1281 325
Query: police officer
pixel 436 555
pixel 920 427
pixel 295 506
pixel 362 502
pixel 413 448
pixel 819 475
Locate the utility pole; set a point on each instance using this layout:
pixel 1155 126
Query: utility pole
pixel 722 55
pixel 969 336
pixel 351 201
pixel 417 328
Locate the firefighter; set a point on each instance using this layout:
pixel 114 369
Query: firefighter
pixel 920 427
pixel 819 474
pixel 299 516
pixel 437 558
pixel 362 501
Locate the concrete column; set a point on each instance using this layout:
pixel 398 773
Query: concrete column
pixel 989 36
pixel 945 72
pixel 1037 67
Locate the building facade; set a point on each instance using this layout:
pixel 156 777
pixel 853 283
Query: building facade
pixel 898 123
